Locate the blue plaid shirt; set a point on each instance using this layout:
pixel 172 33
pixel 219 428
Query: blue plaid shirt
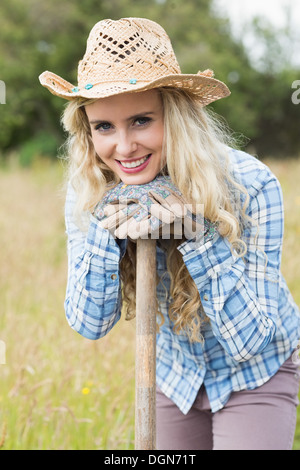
pixel 254 324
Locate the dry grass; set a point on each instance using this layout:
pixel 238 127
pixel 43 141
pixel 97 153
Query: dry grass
pixel 58 390
pixel 288 173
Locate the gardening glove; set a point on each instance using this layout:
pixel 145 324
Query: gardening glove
pixel 189 219
pixel 138 210
pixel 157 208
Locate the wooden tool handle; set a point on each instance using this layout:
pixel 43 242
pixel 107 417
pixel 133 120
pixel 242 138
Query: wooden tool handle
pixel 145 365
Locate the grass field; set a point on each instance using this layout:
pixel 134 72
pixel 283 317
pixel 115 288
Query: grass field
pixel 58 390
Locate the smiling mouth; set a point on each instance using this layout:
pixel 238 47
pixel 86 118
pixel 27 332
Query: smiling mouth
pixel 136 163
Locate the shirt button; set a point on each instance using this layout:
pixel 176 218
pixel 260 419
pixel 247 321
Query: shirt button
pixel 205 297
pixel 113 277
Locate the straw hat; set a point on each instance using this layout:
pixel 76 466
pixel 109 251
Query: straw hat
pixel 131 55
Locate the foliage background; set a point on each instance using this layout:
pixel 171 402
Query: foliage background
pixel 58 390
pixel 39 35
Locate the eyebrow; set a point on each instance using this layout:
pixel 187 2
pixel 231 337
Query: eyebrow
pixel 131 118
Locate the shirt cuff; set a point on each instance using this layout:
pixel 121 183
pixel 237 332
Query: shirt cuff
pixel 207 260
pixel 99 241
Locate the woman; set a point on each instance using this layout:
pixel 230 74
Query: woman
pixel 140 140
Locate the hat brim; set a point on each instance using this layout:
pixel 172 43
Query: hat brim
pixel 207 89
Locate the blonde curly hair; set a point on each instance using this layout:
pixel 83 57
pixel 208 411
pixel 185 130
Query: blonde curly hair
pixel 195 150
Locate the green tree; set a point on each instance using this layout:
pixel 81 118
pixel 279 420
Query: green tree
pixel 276 116
pixel 39 35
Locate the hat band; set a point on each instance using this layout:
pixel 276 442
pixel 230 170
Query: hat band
pixel 88 86
pixel 132 81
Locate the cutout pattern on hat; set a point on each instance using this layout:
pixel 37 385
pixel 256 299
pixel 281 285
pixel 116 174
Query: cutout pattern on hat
pixel 131 55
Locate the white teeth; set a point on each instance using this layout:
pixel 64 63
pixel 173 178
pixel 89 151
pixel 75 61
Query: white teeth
pixel 134 164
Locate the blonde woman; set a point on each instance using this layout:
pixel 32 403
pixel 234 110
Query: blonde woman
pixel 144 152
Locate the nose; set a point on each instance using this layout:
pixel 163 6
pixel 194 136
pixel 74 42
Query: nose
pixel 126 144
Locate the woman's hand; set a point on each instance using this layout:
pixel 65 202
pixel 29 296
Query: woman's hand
pixel 139 211
pixel 153 210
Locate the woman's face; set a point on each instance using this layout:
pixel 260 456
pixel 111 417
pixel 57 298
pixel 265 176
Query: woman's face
pixel 127 133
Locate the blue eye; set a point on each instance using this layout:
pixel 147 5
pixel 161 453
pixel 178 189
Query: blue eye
pixel 142 121
pixel 103 126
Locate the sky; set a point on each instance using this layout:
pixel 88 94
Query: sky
pixel 241 12
pixel 272 9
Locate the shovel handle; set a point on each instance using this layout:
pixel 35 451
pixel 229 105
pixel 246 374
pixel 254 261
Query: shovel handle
pixel 145 359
